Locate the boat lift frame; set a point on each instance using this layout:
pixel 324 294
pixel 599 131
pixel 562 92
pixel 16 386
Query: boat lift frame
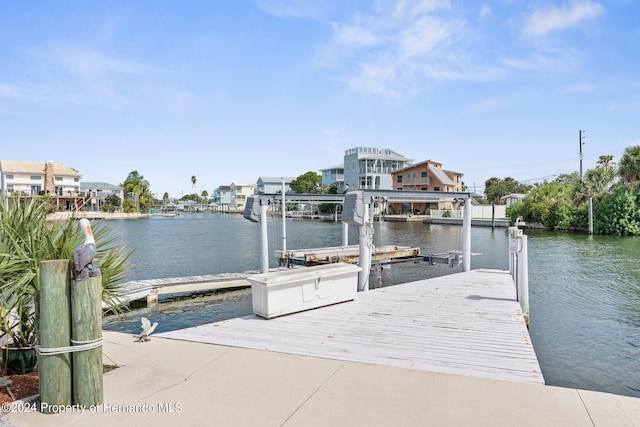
pixel 258 204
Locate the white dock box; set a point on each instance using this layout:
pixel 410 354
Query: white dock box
pixel 284 292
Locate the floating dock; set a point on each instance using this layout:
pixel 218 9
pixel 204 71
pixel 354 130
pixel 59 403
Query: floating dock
pixel 151 289
pixel 349 254
pixel 465 323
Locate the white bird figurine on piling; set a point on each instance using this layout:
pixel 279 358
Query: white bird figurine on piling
pixel 83 254
pixel 147 329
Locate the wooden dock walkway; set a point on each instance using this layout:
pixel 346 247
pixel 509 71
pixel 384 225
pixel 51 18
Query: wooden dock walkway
pixel 465 323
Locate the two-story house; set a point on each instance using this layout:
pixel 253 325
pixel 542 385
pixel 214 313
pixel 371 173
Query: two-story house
pixel 333 175
pixel 99 191
pixel 240 192
pixel 425 176
pixel 37 178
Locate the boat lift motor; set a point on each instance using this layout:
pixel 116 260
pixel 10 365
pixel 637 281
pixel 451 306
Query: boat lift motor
pixel 252 209
pixel 353 208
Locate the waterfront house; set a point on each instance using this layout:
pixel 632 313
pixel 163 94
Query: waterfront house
pixel 37 178
pixel 30 179
pixel 223 197
pixel 273 185
pixel 371 168
pixel 240 192
pixel 98 192
pixel 333 175
pixel 425 176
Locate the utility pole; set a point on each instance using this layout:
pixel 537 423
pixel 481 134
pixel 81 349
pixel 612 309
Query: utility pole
pixel 581 143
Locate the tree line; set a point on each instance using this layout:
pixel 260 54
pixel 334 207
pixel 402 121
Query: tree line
pixel 562 204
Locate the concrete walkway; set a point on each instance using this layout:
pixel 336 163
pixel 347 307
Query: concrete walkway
pixel 177 383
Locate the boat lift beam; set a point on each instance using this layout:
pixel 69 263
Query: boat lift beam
pixel 357 210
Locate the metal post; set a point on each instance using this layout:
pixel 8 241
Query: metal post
pixel 284 221
pixel 345 234
pixel 466 235
pixel 590 215
pixel 264 240
pixel 364 258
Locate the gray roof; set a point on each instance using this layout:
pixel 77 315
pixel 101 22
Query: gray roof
pixel 98 186
pixel 276 179
pixel 340 166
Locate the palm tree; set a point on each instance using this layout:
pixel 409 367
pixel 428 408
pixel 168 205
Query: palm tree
pixel 165 197
pixel 204 195
pixel 193 183
pixel 596 181
pixel 629 167
pixel 136 184
pixel 26 238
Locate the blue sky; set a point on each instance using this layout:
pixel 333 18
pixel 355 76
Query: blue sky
pixel 232 90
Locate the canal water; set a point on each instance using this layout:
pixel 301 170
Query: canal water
pixel 584 290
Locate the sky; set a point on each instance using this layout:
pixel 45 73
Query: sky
pixel 228 91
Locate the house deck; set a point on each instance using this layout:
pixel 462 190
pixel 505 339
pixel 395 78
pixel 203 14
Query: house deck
pixel 465 323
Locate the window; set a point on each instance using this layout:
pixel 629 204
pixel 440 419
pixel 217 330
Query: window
pixel 59 178
pixel 399 178
pixel 423 174
pixel 36 177
pixel 76 179
pixel 436 188
pixel 9 176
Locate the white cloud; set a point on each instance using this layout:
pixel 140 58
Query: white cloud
pixel 544 21
pixel 426 34
pixel 87 60
pixel 485 11
pixel 354 35
pixel 385 51
pixel 415 8
pixel 300 9
pixel 487 104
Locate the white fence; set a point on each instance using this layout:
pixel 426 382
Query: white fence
pixel 479 212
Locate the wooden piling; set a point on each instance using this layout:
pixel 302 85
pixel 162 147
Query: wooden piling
pixel 54 370
pixel 86 317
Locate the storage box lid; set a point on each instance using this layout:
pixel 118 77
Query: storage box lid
pixel 302 274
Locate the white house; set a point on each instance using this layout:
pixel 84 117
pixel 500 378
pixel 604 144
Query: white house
pixel 240 192
pixel 371 168
pixel 37 178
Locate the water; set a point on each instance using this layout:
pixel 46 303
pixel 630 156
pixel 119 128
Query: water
pixel 584 290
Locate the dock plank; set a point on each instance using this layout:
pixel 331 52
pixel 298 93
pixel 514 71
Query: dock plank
pixel 464 323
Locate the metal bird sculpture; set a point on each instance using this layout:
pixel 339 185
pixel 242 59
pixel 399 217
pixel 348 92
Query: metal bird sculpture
pixel 83 254
pixel 147 329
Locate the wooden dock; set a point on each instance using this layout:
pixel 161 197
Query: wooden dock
pixel 348 254
pixel 151 289
pixel 465 323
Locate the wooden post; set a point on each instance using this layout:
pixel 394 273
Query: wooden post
pixel 54 370
pixel 86 318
